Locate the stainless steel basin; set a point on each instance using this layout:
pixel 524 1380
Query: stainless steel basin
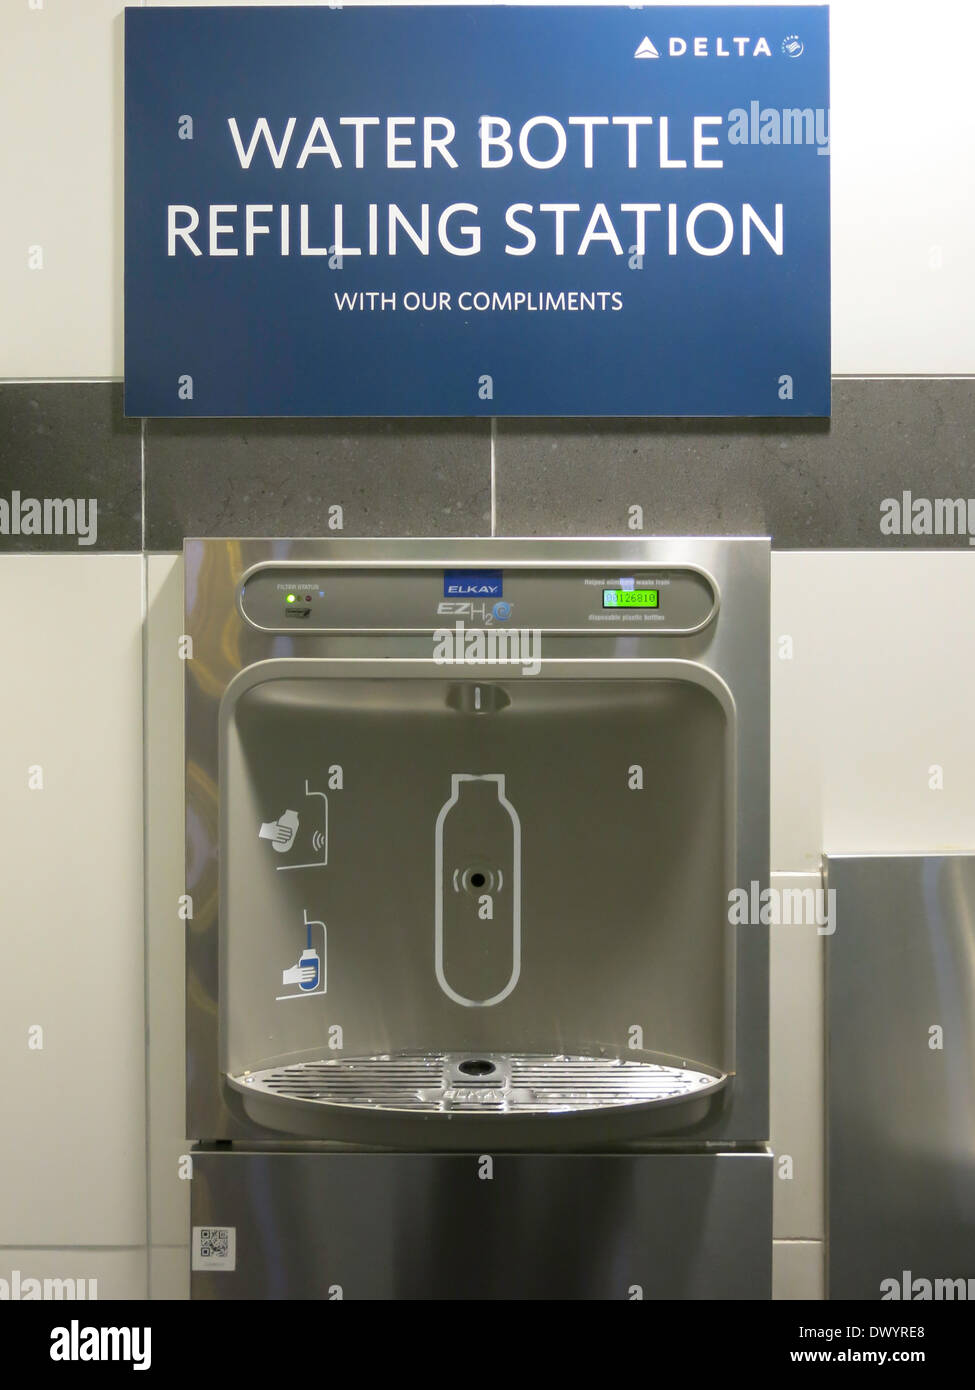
pixel 489 883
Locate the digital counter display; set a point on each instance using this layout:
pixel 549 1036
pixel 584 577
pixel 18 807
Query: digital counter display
pixel 630 598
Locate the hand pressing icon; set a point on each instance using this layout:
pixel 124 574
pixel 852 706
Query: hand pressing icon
pixel 281 832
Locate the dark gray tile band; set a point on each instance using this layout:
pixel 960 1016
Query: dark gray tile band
pixel 809 484
pixel 280 477
pixel 61 441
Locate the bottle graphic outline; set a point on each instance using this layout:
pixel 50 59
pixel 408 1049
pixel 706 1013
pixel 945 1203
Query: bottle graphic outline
pixel 457 779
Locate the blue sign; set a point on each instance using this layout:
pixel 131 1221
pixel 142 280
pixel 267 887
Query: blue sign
pixel 477 211
pixel 472 583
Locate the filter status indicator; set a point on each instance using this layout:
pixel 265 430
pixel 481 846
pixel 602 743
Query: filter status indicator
pixel 631 598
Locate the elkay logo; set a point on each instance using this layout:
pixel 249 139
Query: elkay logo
pixel 472 584
pixel 702 46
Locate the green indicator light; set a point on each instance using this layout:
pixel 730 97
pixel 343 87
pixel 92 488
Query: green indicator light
pixel 291 598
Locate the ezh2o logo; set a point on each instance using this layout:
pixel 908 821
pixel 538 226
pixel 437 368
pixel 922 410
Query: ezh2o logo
pixel 793 46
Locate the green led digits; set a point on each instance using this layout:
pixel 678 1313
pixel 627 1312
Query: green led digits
pixel 630 598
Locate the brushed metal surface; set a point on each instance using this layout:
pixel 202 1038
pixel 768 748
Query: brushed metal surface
pixel 584 957
pixel 729 657
pixel 901 1108
pixel 526 1226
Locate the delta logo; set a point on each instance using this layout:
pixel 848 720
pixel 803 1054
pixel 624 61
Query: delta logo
pixel 703 46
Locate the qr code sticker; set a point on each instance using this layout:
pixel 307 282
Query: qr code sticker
pixel 214 1248
pixel 214 1241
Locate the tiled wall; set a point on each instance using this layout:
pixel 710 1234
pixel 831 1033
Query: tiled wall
pixel 72 1017
pixel 875 691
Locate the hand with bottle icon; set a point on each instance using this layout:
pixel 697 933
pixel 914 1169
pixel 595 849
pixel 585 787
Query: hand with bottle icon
pixel 299 974
pixel 306 973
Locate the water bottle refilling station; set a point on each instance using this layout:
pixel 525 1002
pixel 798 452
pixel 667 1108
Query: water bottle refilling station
pixel 466 1017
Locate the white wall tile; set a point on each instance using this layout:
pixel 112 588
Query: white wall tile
pixel 796 1079
pixel 61 181
pixel 169 1272
pixel 798 1270
pixel 72 1164
pixel 169 1212
pixel 877 692
pixel 117 1273
pixel 903 199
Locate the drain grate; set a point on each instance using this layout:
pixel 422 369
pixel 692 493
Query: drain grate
pixel 479 1083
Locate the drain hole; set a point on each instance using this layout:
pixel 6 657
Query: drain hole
pixel 477 880
pixel 477 1066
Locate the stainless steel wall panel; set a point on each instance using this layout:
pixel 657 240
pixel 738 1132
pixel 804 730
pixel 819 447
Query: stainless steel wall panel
pixel 901 1073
